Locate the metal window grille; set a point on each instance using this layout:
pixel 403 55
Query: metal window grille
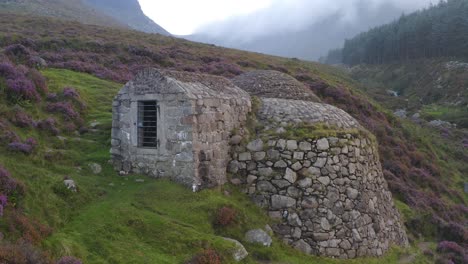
pixel 148 124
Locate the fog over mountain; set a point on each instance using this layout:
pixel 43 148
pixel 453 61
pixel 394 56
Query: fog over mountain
pixel 303 28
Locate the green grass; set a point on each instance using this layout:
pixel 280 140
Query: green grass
pixel 453 114
pixel 114 219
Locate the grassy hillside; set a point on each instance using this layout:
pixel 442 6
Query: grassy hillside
pixel 120 220
pixel 114 219
pixel 436 88
pixel 74 10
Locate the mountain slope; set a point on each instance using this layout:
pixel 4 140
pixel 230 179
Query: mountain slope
pixel 122 13
pixel 438 31
pixel 425 172
pixel 129 13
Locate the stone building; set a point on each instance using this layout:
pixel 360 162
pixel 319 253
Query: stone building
pixel 310 165
pixel 177 125
pixel 326 187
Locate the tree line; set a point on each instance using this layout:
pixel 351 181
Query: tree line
pixel 438 31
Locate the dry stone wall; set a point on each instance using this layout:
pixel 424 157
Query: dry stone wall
pixel 329 193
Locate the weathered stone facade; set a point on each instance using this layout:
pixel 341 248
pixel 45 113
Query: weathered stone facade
pixel 329 192
pixel 196 115
pixel 274 84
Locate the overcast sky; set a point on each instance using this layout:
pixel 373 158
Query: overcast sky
pixel 183 17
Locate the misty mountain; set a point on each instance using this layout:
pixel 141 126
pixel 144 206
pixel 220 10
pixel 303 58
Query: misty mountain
pixel 111 13
pixel 309 40
pixel 438 31
pixel 129 13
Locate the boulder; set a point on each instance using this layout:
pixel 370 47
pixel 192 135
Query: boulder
pixel 258 236
pixel 239 253
pixel 95 168
pixel 70 184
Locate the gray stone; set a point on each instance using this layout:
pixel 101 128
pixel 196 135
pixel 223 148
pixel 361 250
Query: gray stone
pixel 280 164
pixel 309 203
pixel 235 140
pixel 265 186
pixel 95 168
pixel 305 183
pixel 280 130
pixel 320 163
pixel 302 246
pixel 273 154
pixel 294 220
pixel 324 180
pixel 245 156
pixel 333 252
pixel 294 192
pixel 324 224
pixel 281 144
pixel 290 175
pixel 320 236
pixel 322 144
pixel 233 167
pixel 239 253
pixel 352 193
pixel 258 236
pixel 251 179
pixel 281 183
pixel 298 155
pixel 256 145
pixel 345 245
pixel 312 172
pixel 70 184
pixel 356 235
pixel 305 146
pixel 258 156
pixel 265 172
pixel 291 145
pixel 296 166
pixel 280 201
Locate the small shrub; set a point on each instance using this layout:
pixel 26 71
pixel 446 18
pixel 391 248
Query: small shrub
pixel 22 119
pixel 21 147
pixel 65 108
pixel 225 216
pixel 52 97
pixel 208 256
pixel 39 81
pixel 452 251
pixel 69 260
pixel 8 185
pixel 3 203
pixel 70 92
pixel 22 253
pixel 7 70
pixel 21 88
pixel 49 124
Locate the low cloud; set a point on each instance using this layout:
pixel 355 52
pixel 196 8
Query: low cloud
pixel 296 15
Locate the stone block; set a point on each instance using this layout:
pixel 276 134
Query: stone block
pixel 290 175
pixel 280 201
pixel 322 144
pixel 245 156
pixel 291 145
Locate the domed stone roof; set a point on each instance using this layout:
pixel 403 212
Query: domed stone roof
pixel 274 84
